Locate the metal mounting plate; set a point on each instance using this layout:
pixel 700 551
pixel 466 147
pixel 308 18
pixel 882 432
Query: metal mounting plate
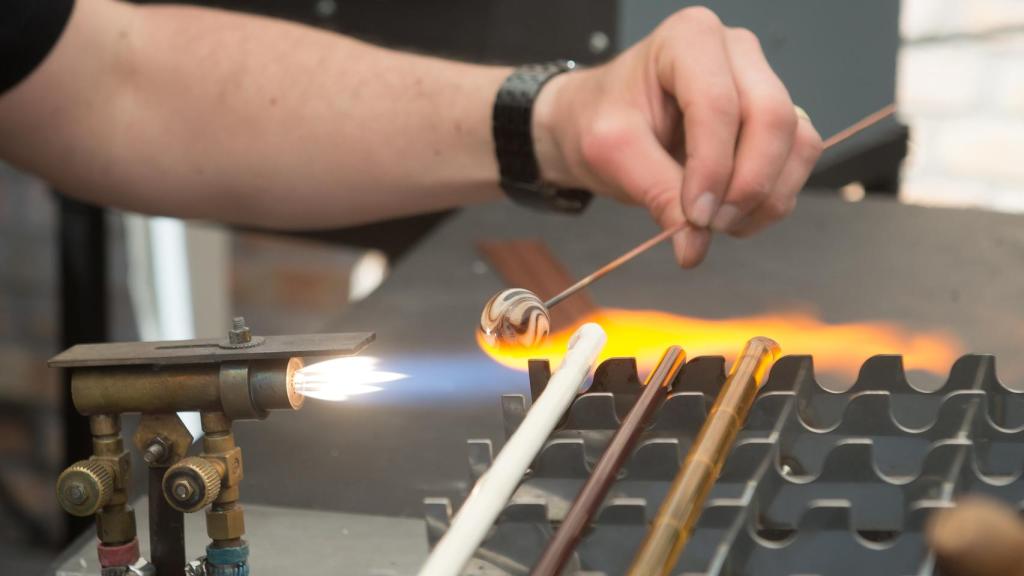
pixel 209 350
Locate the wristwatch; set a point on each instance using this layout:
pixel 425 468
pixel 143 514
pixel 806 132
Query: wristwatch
pixel 513 141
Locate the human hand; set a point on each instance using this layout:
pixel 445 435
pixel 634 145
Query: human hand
pixel 691 122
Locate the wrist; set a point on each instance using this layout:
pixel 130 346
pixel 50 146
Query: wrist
pixel 547 128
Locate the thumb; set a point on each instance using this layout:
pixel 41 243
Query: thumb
pixel 624 152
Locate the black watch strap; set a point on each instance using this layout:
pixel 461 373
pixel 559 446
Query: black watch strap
pixel 513 141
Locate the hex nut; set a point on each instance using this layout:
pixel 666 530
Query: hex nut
pixel 225 524
pixel 117 525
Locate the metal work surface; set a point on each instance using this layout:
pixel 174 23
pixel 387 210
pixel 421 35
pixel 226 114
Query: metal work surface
pixel 817 483
pixel 205 351
pixel 285 539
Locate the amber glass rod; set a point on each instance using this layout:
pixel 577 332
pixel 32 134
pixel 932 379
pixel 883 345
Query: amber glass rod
pixel 682 506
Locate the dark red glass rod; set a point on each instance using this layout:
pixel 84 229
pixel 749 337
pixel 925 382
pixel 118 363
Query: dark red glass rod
pixel 562 544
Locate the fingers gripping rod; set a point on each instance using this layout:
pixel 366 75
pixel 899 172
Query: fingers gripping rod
pixel 853 129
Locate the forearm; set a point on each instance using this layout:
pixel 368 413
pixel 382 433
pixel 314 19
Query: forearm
pixel 198 113
pixel 208 114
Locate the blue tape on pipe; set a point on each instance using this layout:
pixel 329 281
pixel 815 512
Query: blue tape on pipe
pixel 227 557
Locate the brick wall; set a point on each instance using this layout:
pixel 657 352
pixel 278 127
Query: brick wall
pixel 285 285
pixel 29 433
pixel 960 88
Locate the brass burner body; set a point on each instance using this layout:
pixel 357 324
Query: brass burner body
pixel 241 390
pixel 221 392
pixel 243 377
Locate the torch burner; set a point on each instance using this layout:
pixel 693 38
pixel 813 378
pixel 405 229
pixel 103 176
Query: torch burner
pixel 241 377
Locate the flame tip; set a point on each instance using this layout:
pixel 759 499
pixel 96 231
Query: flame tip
pixel 838 347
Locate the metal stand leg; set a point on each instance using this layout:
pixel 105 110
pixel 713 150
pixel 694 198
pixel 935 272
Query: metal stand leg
pixel 166 529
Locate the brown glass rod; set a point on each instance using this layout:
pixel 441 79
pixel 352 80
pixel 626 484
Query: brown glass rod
pixel 682 505
pixel 590 497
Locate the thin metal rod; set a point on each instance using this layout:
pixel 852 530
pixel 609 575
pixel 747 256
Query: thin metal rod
pixel 588 280
pixel 682 505
pixel 860 125
pixel 844 134
pixel 561 546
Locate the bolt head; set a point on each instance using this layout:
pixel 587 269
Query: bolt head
pixel 239 333
pixel 85 487
pixel 155 453
pixel 182 490
pixel 76 493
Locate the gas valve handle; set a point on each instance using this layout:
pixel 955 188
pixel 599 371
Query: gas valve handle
pixel 192 484
pixel 85 487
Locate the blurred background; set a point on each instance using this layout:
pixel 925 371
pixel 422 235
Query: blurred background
pixel 74 273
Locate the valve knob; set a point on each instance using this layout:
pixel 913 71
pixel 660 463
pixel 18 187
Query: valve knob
pixel 192 484
pixel 85 487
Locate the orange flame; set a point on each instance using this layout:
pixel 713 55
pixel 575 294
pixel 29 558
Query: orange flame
pixel 837 348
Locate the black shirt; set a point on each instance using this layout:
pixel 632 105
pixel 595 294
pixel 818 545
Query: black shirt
pixel 28 31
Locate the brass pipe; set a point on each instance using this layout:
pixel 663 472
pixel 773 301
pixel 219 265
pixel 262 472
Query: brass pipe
pixel 115 522
pixel 272 385
pixel 682 506
pixel 225 521
pixel 146 389
pixel 243 390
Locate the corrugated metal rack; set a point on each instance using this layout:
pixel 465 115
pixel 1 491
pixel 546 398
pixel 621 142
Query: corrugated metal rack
pixel 818 482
